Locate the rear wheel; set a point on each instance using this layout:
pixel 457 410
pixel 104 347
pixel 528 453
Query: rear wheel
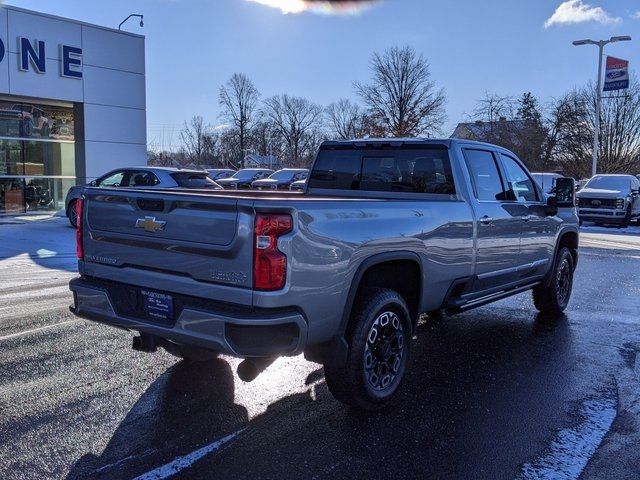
pixel 552 299
pixel 379 336
pixel 72 213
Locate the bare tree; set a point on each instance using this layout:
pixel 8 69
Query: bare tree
pixel 197 140
pixel 296 119
pixel 346 119
pixel 516 124
pixel 493 107
pixel 239 101
pixel 402 95
pixel 228 150
pixel 266 138
pixel 573 119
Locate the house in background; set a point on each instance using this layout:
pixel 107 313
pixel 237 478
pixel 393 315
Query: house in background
pixel 489 131
pixel 261 161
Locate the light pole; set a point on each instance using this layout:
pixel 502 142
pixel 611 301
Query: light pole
pixel 596 135
pixel 141 17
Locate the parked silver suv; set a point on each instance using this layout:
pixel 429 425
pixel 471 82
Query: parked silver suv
pixel 609 199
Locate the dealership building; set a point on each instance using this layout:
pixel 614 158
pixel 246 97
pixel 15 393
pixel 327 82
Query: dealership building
pixel 72 106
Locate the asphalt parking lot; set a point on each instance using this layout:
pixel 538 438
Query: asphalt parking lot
pixel 493 393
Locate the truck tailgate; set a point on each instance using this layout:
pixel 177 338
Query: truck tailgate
pixel 203 237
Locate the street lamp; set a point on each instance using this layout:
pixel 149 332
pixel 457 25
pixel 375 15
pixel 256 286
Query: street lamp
pixel 141 17
pixel 596 136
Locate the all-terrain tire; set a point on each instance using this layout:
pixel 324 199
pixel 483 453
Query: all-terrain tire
pixel 379 337
pixel 627 218
pixel 553 297
pixel 72 213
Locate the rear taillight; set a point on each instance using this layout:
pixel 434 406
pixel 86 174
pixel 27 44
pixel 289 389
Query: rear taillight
pixel 79 246
pixel 269 263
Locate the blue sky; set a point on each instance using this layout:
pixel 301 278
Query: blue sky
pixel 473 46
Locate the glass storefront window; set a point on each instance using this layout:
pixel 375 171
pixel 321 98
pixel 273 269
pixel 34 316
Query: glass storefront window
pixel 37 156
pixel 49 158
pixel 31 194
pixel 11 157
pixel 24 120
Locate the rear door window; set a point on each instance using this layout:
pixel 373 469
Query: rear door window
pixel 142 178
pixel 485 176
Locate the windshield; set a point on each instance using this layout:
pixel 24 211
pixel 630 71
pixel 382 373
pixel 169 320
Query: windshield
pixel 245 174
pixel 283 175
pixel 194 180
pixel 609 183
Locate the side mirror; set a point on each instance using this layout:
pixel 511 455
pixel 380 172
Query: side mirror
pixel 565 193
pixel 93 183
pixel 551 208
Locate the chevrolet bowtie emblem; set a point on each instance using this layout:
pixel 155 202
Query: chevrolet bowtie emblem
pixel 150 224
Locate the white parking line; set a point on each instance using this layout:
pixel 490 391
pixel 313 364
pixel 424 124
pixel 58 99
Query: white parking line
pixel 39 329
pixel 572 448
pixel 180 463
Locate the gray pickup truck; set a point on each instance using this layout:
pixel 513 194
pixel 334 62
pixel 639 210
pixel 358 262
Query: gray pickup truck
pixel 385 230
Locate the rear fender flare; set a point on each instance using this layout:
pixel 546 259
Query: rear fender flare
pixel 335 351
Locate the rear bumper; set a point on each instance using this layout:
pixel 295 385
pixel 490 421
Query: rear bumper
pixel 240 332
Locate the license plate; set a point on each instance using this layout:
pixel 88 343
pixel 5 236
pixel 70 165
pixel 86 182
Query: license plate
pixel 157 305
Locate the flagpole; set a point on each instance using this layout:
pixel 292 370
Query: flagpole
pixel 596 134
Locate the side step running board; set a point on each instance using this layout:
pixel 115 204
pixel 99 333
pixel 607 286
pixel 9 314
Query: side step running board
pixel 460 305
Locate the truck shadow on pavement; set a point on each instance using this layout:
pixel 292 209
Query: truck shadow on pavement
pixel 480 391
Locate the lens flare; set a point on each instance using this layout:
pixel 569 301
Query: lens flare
pixel 324 7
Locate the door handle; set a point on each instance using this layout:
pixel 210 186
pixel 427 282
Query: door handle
pixel 486 220
pixel 527 218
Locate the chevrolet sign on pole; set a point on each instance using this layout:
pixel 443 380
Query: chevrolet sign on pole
pixel 616 75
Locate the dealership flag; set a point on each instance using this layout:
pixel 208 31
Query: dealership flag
pixel 616 75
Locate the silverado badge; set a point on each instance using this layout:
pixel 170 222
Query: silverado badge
pixel 150 224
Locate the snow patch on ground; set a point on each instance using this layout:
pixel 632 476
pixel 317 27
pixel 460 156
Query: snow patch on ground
pixel 186 461
pixel 572 448
pixel 592 228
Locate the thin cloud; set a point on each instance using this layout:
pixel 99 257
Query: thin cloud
pixel 576 11
pixel 636 15
pixel 324 7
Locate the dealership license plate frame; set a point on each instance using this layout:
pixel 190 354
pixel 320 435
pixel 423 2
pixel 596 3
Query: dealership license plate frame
pixel 158 307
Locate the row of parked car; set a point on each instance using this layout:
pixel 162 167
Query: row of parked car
pixel 603 199
pixel 260 178
pixel 213 179
pixel 612 199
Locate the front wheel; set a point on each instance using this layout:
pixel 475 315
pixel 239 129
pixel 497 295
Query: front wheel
pixel 552 299
pixel 627 218
pixel 379 337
